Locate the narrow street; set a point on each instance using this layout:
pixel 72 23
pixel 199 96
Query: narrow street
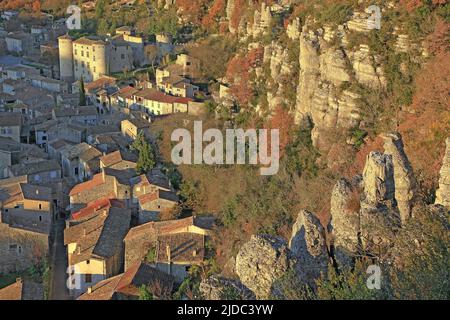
pixel 58 290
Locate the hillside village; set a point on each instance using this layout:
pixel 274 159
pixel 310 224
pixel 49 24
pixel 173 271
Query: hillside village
pixel 69 173
pixel 91 208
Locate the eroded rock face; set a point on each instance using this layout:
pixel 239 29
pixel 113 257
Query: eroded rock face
pixel 261 262
pixel 378 214
pixel 378 179
pixel 219 288
pixel 404 180
pixel 345 205
pixel 443 192
pixel 308 244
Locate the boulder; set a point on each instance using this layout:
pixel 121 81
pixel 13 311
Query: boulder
pixel 261 262
pixel 219 288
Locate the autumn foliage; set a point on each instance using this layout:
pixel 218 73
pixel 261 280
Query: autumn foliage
pixel 238 71
pixel 283 121
pixel 215 10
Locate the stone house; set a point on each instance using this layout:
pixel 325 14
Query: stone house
pixel 131 127
pixel 22 290
pixel 41 132
pixel 73 132
pixel 156 102
pixel 9 155
pixel 45 173
pixel 111 183
pixel 26 217
pixel 119 160
pixel 19 42
pixel 70 159
pixel 152 204
pixel 126 286
pixel 40 172
pixel 28 207
pixel 55 147
pixel 95 247
pixel 83 115
pixel 11 125
pixel 176 244
pixel 89 163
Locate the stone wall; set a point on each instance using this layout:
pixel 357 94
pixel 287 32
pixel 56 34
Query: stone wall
pixel 19 249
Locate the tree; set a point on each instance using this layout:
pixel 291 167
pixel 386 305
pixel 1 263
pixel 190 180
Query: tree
pixel 147 158
pixel 100 9
pixel 103 27
pixel 144 293
pixel 82 93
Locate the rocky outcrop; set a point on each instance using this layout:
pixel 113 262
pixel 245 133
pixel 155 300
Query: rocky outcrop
pixel 323 69
pixel 404 180
pixel 378 214
pixel 308 244
pixel 261 21
pixel 378 179
pixel 261 262
pixel 344 210
pixel 367 68
pixel 293 29
pixel 327 67
pixel 443 192
pixel 219 288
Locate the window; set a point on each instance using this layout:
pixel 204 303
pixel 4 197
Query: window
pixel 122 56
pixel 88 278
pixel 37 178
pixel 53 174
pixel 40 208
pixel 76 52
pixel 88 261
pixel 87 54
pixel 82 53
pixel 40 217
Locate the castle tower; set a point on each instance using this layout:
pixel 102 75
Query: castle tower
pixel 65 44
pixel 101 62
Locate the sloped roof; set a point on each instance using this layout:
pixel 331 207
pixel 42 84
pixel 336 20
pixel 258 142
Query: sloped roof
pixel 118 156
pixel 99 237
pixel 104 290
pixel 185 247
pixel 159 227
pixel 99 204
pixel 158 194
pixel 36 167
pixel 22 290
pixel 128 283
pixel 87 185
pixel 10 119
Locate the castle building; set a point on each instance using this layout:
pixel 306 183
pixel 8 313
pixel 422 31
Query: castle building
pixel 93 57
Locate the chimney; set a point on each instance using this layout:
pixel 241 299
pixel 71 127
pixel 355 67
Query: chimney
pixel 79 249
pixel 19 280
pixel 84 232
pixel 89 290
